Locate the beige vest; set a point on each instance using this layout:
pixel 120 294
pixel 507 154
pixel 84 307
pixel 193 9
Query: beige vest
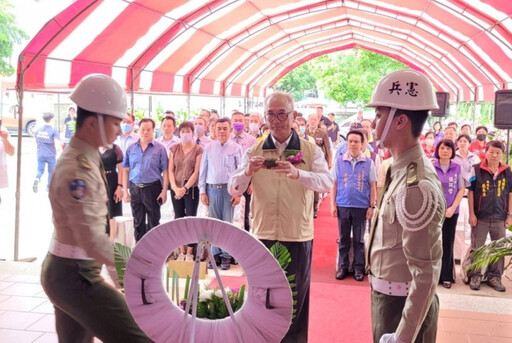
pixel 281 208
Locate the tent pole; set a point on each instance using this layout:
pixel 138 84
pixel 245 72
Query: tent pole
pixel 223 105
pixel 188 107
pixel 19 93
pixel 132 100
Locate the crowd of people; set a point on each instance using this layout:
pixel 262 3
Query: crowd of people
pixel 407 188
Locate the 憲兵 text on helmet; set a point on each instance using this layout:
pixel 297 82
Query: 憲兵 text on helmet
pixel 101 94
pixel 405 89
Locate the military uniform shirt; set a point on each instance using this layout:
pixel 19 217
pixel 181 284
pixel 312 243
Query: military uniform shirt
pixel 78 197
pixel 407 236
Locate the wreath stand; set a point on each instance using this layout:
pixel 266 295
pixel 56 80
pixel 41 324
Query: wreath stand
pixel 265 315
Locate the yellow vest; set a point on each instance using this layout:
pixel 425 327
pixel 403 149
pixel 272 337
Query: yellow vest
pixel 281 208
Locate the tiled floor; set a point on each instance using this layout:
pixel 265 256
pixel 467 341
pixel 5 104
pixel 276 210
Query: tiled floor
pixel 26 315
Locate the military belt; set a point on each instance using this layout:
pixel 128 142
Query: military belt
pixel 67 250
pixel 397 289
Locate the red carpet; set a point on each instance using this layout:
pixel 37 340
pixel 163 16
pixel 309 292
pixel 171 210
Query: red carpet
pixel 339 310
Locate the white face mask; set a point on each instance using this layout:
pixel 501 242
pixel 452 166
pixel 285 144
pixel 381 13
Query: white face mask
pixel 186 136
pixel 254 127
pixel 198 129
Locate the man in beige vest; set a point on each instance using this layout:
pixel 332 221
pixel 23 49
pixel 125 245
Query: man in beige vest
pixel 284 171
pixel 404 249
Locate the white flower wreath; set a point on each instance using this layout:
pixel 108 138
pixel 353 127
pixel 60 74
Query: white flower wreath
pixel 265 315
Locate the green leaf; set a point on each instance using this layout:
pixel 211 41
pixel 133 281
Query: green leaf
pixel 241 295
pixel 281 254
pixel 187 285
pixel 490 253
pixel 122 254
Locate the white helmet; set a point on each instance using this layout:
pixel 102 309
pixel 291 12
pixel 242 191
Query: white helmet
pixel 101 94
pixel 405 89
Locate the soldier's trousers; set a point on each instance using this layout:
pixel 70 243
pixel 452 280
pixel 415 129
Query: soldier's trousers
pixel 387 312
pixel 85 305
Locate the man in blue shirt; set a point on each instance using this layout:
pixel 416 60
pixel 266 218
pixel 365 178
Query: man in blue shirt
pixel 48 142
pixel 220 159
pixel 144 164
pixel 353 198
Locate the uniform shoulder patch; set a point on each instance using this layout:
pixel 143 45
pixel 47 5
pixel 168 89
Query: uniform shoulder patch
pixel 412 174
pixel 78 188
pixel 416 205
pixel 84 162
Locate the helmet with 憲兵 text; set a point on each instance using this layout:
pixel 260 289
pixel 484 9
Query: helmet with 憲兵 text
pixel 405 89
pixel 99 93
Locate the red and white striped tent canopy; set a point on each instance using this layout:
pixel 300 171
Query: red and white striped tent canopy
pixel 241 48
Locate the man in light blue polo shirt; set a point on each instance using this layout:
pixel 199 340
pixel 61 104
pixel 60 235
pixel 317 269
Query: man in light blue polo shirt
pixel 220 159
pixel 353 198
pixel 145 176
pixel 48 143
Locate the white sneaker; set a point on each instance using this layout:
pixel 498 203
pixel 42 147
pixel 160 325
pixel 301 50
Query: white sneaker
pixel 181 257
pixel 189 258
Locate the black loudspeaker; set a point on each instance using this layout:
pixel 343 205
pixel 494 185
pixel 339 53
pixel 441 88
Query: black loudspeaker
pixel 443 100
pixel 503 109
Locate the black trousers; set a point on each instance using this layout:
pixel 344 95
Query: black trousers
pixel 448 230
pixel 85 305
pixel 186 206
pixel 145 208
pixel 301 253
pixel 387 313
pixel 247 211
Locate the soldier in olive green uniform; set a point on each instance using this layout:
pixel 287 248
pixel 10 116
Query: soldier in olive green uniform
pixel 404 250
pixel 85 305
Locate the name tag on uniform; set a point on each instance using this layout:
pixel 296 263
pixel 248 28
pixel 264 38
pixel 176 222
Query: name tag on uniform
pixel 77 188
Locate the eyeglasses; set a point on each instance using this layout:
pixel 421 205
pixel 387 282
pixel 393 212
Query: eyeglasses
pixel 281 116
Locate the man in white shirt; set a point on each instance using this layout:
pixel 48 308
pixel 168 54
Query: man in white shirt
pixel 284 171
pixel 168 139
pixel 220 159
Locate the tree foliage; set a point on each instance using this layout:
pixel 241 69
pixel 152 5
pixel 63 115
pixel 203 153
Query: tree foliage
pixel 297 81
pixel 10 34
pixel 351 76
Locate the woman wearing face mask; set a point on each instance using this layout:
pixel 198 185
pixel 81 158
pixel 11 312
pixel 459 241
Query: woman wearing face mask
pixel 428 146
pixel 184 162
pixel 438 132
pixel 478 145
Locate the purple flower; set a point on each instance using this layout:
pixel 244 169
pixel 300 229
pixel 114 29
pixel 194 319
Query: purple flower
pixel 295 159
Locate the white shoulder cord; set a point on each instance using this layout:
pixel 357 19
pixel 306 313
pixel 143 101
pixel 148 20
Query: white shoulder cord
pixel 425 213
pixel 205 244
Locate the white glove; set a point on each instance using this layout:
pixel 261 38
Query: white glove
pixel 390 338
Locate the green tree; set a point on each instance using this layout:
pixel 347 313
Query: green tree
pixel 9 35
pixel 351 76
pixel 297 81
